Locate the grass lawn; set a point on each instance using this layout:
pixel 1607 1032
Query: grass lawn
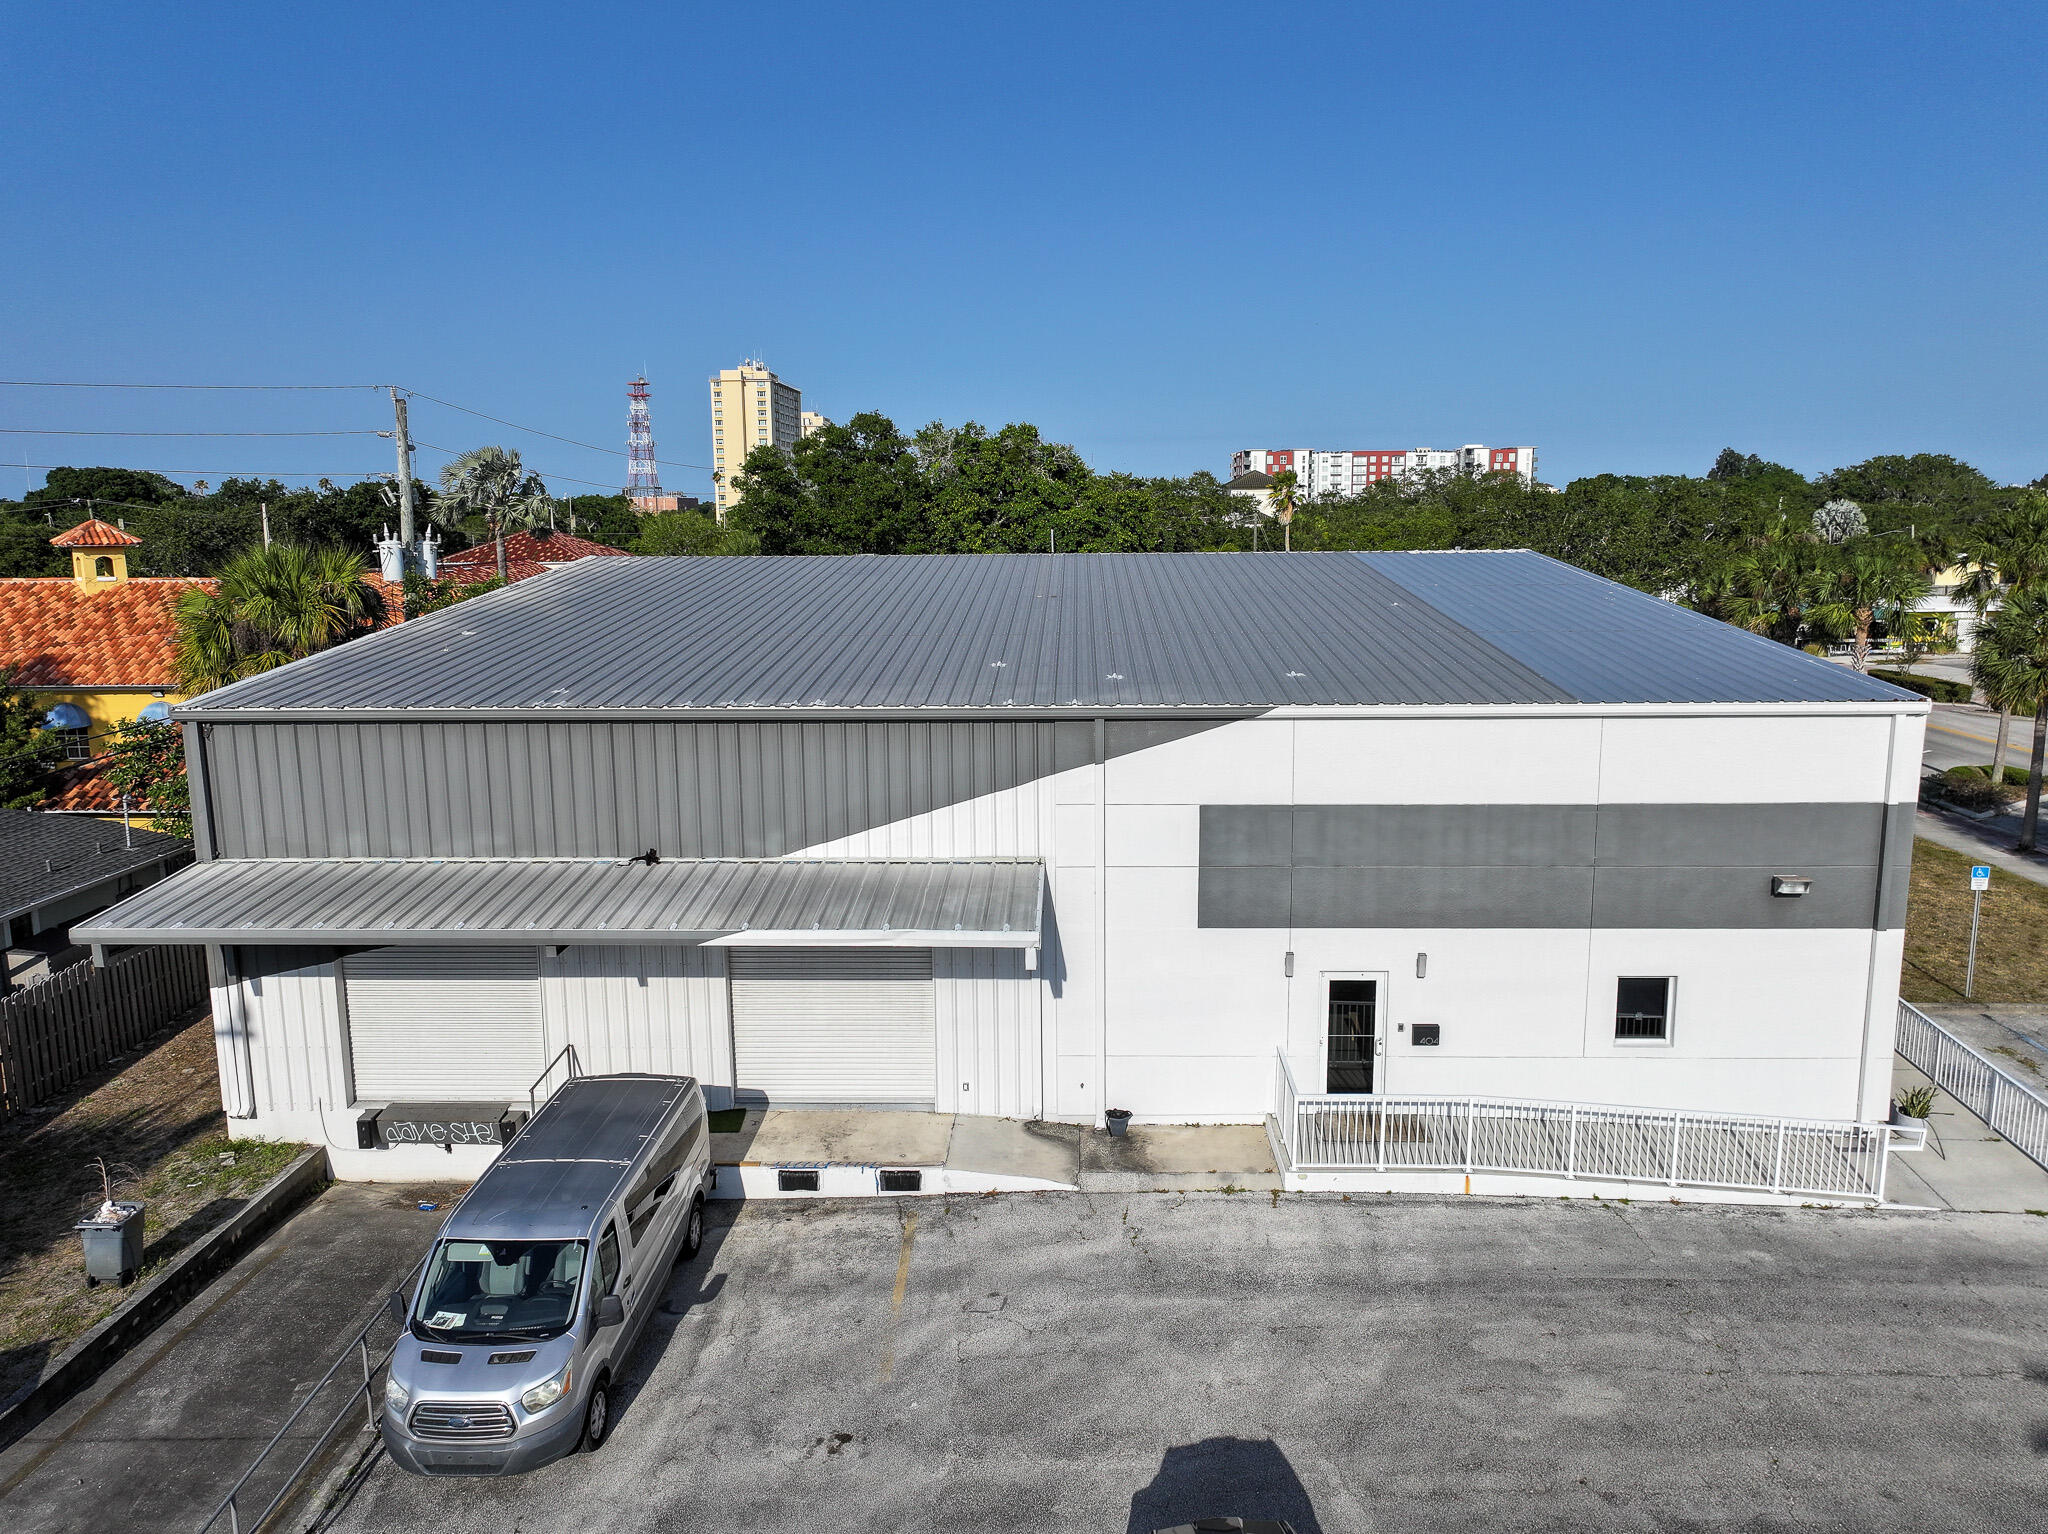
pixel 156 1118
pixel 2012 943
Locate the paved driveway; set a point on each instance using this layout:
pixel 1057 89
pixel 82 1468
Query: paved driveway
pixel 1101 1363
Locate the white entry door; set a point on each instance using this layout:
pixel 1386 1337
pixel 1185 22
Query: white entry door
pixel 444 1024
pixel 825 1025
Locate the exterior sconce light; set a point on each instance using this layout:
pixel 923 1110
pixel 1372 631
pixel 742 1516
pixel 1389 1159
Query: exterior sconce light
pixel 1789 886
pixel 1421 966
pixel 1287 965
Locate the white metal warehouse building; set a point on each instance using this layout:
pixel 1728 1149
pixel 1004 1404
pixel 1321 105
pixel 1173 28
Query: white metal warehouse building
pixel 1037 836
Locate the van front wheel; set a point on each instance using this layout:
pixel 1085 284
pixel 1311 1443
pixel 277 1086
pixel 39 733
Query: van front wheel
pixel 693 1228
pixel 597 1416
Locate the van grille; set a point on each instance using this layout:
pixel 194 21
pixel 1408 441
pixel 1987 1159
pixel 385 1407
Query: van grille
pixel 461 1421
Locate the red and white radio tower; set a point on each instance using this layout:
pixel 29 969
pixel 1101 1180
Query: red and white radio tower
pixel 643 483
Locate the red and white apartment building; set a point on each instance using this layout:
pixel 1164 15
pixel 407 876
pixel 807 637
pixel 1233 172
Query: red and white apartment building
pixel 1348 472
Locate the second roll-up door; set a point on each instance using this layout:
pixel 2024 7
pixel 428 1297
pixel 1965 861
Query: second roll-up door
pixel 823 1025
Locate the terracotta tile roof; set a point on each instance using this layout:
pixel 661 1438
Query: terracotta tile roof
pixel 54 635
pixel 537 548
pixel 95 534
pixel 83 788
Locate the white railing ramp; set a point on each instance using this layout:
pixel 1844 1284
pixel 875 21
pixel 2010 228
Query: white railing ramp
pixel 1807 1158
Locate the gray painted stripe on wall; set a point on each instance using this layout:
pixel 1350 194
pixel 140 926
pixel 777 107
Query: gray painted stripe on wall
pixel 1645 866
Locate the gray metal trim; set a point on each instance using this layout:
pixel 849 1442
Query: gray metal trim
pixel 203 840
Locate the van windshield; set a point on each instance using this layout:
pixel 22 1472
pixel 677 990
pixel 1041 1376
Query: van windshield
pixel 485 1290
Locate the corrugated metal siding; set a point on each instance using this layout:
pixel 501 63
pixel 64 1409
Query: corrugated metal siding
pixel 441 1024
pixel 1029 631
pixel 990 1044
pixel 370 901
pixel 604 789
pixel 814 1025
pixel 289 1002
pixel 656 1007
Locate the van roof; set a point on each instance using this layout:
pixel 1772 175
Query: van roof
pixel 554 1179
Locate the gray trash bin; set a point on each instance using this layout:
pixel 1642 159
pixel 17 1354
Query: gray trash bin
pixel 113 1247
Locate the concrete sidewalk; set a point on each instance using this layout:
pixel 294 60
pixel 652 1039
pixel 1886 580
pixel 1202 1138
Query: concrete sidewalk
pixel 1965 1165
pixel 1983 841
pixel 1151 1157
pixel 159 1439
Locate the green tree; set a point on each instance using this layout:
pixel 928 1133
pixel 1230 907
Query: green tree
pixel 122 488
pixel 272 606
pixel 28 752
pixel 1767 580
pixel 690 532
pixel 2007 547
pixel 145 760
pixel 1861 585
pixel 490 483
pixel 2011 663
pixel 852 489
pixel 600 518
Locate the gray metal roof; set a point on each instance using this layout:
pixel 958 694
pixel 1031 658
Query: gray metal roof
pixel 378 902
pixel 1028 633
pixel 45 858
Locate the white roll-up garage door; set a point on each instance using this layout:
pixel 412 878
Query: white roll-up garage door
pixel 442 1024
pixel 823 1025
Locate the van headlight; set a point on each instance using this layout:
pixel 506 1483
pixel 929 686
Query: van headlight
pixel 395 1397
pixel 547 1392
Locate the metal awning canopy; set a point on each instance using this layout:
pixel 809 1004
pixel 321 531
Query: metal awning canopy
pixel 784 902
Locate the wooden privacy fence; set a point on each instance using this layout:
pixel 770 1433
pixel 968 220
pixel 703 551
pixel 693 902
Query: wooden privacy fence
pixel 68 1026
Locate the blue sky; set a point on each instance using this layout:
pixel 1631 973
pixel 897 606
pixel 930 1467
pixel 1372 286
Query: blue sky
pixel 1629 234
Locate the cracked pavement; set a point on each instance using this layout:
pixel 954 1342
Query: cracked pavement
pixel 1112 1362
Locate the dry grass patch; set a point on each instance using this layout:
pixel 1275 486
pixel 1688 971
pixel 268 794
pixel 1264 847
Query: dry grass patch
pixel 158 1116
pixel 2012 943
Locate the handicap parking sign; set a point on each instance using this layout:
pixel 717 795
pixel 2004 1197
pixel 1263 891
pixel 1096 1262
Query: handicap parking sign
pixel 1980 876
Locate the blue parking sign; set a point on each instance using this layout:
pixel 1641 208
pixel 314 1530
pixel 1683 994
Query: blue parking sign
pixel 1980 876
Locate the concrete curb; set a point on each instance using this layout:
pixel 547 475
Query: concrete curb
pixel 159 1298
pixel 1178 1182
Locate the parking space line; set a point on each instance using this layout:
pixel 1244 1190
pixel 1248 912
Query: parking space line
pixel 896 1297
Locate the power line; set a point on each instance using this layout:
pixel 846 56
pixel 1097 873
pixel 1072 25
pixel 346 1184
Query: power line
pixel 500 420
pixel 32 431
pixel 45 383
pixel 230 473
pixel 543 473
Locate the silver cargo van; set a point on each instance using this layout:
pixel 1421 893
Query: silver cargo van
pixel 543 1276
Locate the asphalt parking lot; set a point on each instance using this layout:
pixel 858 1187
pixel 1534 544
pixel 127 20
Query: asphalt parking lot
pixel 1105 1362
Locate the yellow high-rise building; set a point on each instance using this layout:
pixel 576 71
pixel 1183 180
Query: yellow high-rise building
pixel 750 408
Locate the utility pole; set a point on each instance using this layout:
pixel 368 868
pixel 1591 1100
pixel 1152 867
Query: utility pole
pixel 405 528
pixel 264 507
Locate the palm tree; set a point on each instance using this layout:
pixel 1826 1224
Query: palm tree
pixel 489 482
pixel 271 606
pixel 2007 548
pixel 1283 497
pixel 1768 582
pixel 1864 584
pixel 2012 660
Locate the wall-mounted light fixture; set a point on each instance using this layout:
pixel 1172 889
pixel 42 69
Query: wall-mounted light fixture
pixel 1287 964
pixel 1421 966
pixel 1790 885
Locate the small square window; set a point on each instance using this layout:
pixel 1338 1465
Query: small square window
pixel 1642 1010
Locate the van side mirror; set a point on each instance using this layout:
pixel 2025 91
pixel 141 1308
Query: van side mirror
pixel 611 1311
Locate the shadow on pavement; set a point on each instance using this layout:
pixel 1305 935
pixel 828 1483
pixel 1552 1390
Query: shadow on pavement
pixel 1246 1478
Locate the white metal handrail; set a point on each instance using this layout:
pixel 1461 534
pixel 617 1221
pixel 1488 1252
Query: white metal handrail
pixel 2011 1107
pixel 1330 1132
